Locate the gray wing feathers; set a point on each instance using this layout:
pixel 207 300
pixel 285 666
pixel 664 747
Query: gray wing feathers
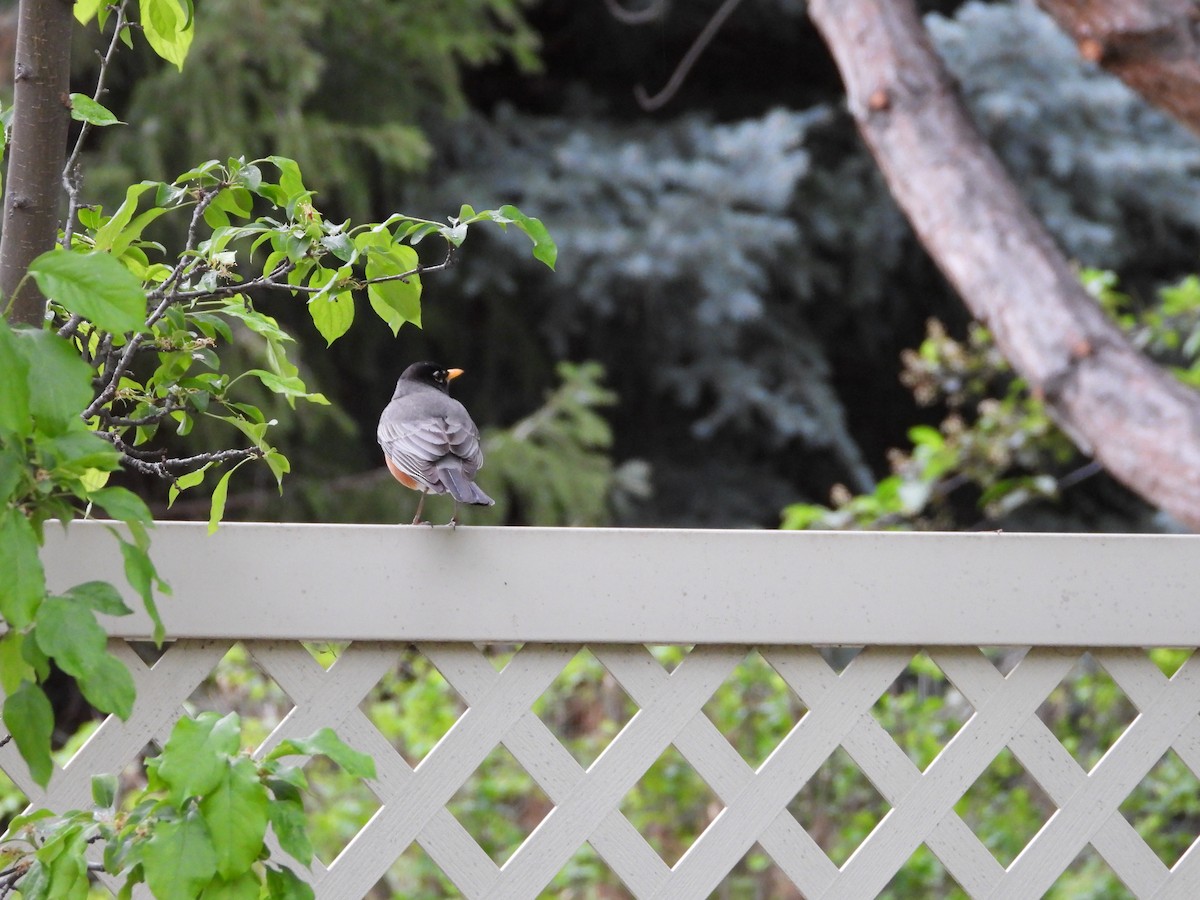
pixel 440 449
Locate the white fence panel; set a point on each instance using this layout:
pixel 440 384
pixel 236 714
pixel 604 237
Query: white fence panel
pixel 555 592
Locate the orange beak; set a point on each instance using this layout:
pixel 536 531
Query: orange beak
pixel 453 373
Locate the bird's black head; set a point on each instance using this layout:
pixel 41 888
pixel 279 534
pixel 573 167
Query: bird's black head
pixel 431 374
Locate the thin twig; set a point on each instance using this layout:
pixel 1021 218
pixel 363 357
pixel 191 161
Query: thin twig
pixel 72 175
pixel 675 82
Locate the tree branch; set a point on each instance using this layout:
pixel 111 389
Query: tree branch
pixel 157 463
pixel 1151 45
pixel 1138 421
pixel 679 76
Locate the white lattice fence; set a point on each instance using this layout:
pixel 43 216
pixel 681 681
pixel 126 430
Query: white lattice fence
pixel 555 593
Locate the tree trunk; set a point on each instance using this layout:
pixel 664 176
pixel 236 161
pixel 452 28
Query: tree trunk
pixel 1151 45
pixel 1135 418
pixel 37 153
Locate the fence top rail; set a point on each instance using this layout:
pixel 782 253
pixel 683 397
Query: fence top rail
pixel 374 582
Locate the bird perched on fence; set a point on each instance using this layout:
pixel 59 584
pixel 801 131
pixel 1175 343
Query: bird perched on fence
pixel 428 439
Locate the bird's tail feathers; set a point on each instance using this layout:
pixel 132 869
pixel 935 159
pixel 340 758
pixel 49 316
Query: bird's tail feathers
pixel 462 488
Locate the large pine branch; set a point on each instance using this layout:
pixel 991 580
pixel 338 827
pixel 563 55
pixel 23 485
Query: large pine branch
pixel 1136 419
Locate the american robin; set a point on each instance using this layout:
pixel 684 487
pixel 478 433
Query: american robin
pixel 428 439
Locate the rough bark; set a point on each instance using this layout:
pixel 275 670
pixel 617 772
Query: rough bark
pixel 41 116
pixel 1151 45
pixel 1135 418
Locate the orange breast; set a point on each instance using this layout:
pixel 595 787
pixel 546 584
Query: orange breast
pixel 401 477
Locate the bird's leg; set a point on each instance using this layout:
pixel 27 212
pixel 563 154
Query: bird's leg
pixel 420 505
pixel 453 523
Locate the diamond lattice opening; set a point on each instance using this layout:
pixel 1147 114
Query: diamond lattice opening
pixel 669 655
pixel 923 875
pixel 756 877
pixel 149 652
pixel 499 805
pixel 338 806
pixel 1165 808
pixel 239 684
pixel 839 657
pixel 1169 659
pixel 413 706
pixel 586 875
pixel 755 709
pixel 499 655
pixel 1087 711
pixel 326 653
pixel 671 806
pixel 1087 876
pixel 415 874
pixel 1005 807
pixel 585 707
pixel 838 806
pixel 922 710
pixel 1005 659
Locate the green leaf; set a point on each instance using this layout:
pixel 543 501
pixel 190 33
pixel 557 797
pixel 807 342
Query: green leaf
pixel 85 10
pixel 284 884
pixel 77 450
pixel 61 386
pixel 332 314
pixel 100 596
pixel 279 466
pixel 244 886
pixel 107 234
pixel 29 718
pixel 218 501
pixel 327 743
pixel 68 632
pixel 143 577
pixel 85 109
pixel 179 858
pixel 544 249
pixel 289 178
pixel 65 863
pixel 260 323
pixel 24 820
pixel 168 29
pixel 93 285
pixel 104 790
pixel 123 504
pixel 398 301
pixel 236 813
pixel 291 829
pixel 194 759
pixel 109 687
pixel 14 668
pixel 14 385
pixel 13 465
pixel 22 579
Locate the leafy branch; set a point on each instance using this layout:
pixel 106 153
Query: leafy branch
pixel 999 441
pixel 198 827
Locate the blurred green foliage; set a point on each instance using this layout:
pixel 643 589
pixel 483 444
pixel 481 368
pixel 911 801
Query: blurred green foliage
pixel 344 89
